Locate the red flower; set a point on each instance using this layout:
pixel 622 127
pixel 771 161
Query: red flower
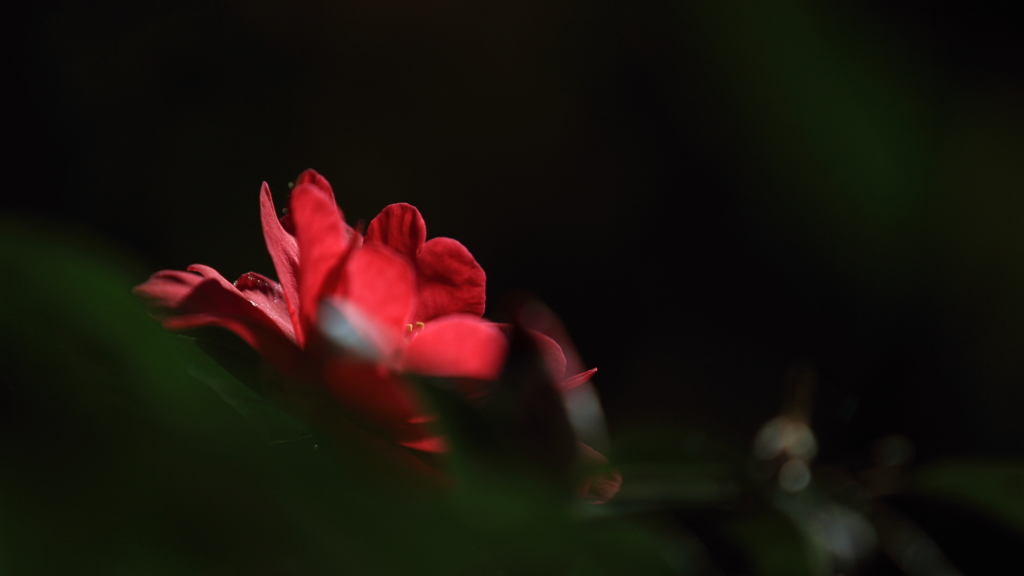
pixel 352 314
pixel 394 302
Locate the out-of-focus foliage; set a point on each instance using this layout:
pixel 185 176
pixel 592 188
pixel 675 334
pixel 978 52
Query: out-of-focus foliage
pixel 994 489
pixel 129 449
pixel 126 449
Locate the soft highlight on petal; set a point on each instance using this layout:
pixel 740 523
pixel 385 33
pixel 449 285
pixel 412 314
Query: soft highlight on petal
pixel 352 333
pixel 382 284
pixel 459 346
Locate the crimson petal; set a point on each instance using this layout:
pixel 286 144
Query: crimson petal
pixel 268 296
pixel 399 227
pixel 166 289
pixel 284 251
pixel 457 346
pixel 313 178
pixel 382 285
pixel 213 301
pixel 323 240
pixel 574 381
pixel 450 280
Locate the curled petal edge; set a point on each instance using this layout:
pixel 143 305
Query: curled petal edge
pixel 284 252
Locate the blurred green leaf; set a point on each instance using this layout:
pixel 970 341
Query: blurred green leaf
pixel 125 449
pixel 79 334
pixel 831 114
pixel 995 488
pixel 773 544
pixel 672 465
pixel 235 375
pixel 678 485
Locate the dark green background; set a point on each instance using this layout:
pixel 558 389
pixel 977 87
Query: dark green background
pixel 706 192
pixel 709 193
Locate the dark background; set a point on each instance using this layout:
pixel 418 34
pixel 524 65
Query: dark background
pixel 711 195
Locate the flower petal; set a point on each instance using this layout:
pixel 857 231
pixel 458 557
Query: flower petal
pixel 574 381
pixel 284 251
pixel 282 354
pixel 456 346
pixel 399 227
pixel 210 300
pixel 382 284
pixel 450 280
pixel 268 296
pixel 323 240
pixel 312 177
pixel 166 289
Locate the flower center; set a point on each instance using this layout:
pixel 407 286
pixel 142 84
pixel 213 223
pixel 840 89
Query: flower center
pixel 413 328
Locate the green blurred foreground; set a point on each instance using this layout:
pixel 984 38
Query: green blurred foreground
pixel 125 450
